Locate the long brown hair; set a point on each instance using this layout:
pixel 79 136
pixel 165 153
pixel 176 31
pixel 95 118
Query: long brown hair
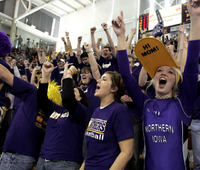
pixel 117 82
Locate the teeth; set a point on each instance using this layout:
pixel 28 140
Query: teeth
pixel 162 78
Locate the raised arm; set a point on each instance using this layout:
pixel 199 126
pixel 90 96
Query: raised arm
pixel 68 98
pixel 65 44
pixel 134 90
pixel 5 75
pixel 142 80
pixel 41 55
pixel 190 76
pixel 69 44
pixel 78 54
pixel 44 103
pixel 93 63
pixel 33 76
pixel 19 87
pixel 182 48
pixel 110 41
pixel 130 39
pixel 95 49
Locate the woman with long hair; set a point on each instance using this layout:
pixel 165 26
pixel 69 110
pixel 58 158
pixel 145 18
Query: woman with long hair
pixel 164 116
pixel 109 134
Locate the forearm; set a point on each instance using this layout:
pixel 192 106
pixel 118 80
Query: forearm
pixel 131 84
pixel 78 54
pixel 33 78
pixel 121 161
pixel 44 103
pixel 142 77
pixel 194 29
pixel 110 41
pixel 16 72
pixel 188 90
pixel 130 39
pixel 95 49
pixel 69 46
pixel 68 98
pixel 94 66
pixel 122 45
pixel 6 75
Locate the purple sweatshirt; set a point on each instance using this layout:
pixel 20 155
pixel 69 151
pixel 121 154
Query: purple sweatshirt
pixel 23 137
pixel 164 118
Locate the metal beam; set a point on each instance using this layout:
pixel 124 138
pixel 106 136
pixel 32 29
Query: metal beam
pixel 5 16
pixel 68 5
pixel 159 4
pixel 35 10
pixel 61 9
pixel 83 5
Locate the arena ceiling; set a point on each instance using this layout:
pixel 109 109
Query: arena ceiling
pixel 62 7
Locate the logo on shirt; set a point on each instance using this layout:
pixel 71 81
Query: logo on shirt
pixel 106 65
pixel 56 115
pixel 164 128
pixel 96 128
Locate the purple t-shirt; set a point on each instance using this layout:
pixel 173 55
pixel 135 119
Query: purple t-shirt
pixel 64 135
pixel 107 64
pixel 23 137
pixel 106 128
pixel 164 118
pixel 93 101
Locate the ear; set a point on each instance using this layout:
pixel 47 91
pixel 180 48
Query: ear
pixel 114 89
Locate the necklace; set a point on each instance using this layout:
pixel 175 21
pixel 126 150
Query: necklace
pixel 163 97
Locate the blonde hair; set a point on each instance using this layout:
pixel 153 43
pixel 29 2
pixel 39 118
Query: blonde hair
pixel 178 77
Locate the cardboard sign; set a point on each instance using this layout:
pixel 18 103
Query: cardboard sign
pixel 152 53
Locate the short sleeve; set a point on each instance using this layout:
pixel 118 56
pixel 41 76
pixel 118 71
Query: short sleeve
pixel 123 125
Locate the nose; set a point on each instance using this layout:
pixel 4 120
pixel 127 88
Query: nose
pixel 99 80
pixel 164 73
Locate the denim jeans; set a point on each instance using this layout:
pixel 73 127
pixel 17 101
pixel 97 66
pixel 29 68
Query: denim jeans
pixel 14 161
pixel 195 129
pixel 44 164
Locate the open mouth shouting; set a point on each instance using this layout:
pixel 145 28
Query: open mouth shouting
pixel 162 82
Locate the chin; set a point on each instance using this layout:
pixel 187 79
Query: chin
pixel 96 94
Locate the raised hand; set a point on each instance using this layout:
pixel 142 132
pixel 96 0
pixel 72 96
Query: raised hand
pixel 93 29
pixel 67 34
pixel 69 71
pixel 104 26
pixel 182 28
pixel 119 25
pixel 47 68
pixel 133 30
pixel 63 39
pixel 87 47
pixel 79 39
